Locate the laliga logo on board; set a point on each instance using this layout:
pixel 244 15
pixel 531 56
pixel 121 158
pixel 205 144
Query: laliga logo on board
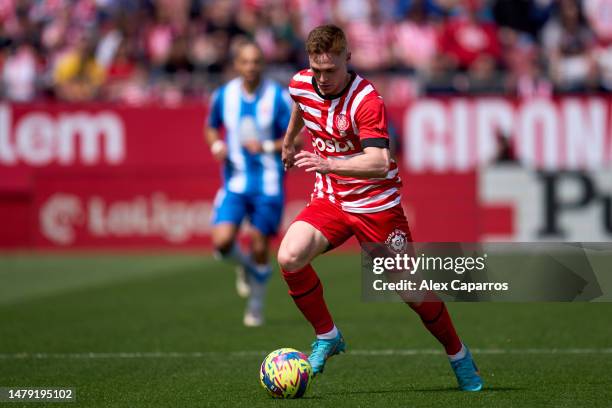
pixel 397 241
pixel 59 215
pixel 155 216
pixel 332 146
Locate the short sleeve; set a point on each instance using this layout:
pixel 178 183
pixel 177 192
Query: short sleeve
pixel 292 84
pixel 371 120
pixel 297 82
pixel 215 117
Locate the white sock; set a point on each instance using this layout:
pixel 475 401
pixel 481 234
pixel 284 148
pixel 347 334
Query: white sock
pixel 256 299
pixel 258 287
pixel 459 355
pixel 332 334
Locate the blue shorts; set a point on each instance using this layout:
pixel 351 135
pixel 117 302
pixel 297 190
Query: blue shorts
pixel 263 212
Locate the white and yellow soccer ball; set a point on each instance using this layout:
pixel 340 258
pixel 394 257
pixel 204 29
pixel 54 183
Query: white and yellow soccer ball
pixel 286 373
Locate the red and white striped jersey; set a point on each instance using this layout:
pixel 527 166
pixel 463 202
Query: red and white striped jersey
pixel 341 126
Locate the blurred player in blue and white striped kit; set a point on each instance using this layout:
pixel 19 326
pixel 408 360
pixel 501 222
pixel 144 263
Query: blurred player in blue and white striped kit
pixel 245 129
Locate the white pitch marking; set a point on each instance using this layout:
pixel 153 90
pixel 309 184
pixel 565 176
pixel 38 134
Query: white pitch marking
pixel 255 353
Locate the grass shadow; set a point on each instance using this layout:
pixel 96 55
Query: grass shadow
pixel 486 390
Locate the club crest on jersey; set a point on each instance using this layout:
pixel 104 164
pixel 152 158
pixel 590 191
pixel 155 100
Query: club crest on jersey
pixel 342 122
pixel 397 241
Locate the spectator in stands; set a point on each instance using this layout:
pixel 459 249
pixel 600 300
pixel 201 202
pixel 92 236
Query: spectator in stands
pixel 569 44
pixel 440 80
pixel 178 61
pixel 484 77
pixel 110 40
pixel 179 48
pixel 77 76
pixel 159 39
pixel 122 65
pixel 280 42
pixel 470 44
pixel 415 40
pixel 444 8
pixel 19 73
pixel 133 90
pixel 220 18
pixel 599 15
pixel 281 33
pixel 520 22
pixel 369 40
pixel 523 16
pixel 526 79
pixel 349 11
pixel 309 14
pixel 466 38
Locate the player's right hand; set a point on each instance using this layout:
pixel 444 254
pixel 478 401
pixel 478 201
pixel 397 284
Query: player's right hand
pixel 219 150
pixel 288 155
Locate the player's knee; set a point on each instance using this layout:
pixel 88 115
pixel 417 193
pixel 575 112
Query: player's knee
pixel 290 259
pixel 223 245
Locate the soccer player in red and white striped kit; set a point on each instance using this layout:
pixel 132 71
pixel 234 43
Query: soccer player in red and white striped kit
pixel 357 192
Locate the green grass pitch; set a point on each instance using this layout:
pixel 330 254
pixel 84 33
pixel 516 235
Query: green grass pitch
pixel 177 321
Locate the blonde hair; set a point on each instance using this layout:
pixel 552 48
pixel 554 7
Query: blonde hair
pixel 327 38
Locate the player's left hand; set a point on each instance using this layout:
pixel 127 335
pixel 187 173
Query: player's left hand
pixel 252 146
pixel 312 162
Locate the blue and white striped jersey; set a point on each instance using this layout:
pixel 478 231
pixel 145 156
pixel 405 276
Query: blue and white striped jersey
pixel 262 116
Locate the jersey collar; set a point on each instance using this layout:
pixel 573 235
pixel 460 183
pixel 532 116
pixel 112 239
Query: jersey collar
pixel 338 95
pixel 255 95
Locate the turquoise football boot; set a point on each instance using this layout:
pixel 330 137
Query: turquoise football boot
pixel 324 349
pixel 467 373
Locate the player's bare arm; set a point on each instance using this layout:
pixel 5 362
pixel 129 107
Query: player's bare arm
pixel 218 148
pixel 296 123
pixel 373 163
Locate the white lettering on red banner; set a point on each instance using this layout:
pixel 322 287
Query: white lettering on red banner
pixel 39 139
pixel 461 134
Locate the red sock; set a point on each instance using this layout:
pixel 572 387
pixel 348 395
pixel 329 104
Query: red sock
pixel 307 292
pixel 436 319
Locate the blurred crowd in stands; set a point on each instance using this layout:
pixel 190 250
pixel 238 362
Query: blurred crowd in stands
pixel 140 51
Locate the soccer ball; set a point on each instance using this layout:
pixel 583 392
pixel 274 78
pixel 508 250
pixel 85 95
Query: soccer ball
pixel 285 373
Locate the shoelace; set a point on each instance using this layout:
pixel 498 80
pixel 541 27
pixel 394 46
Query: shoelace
pixel 318 348
pixel 464 369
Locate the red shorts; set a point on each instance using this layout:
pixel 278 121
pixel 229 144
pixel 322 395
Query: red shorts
pixel 338 225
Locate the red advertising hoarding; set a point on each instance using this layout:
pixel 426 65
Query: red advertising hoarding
pixel 104 176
